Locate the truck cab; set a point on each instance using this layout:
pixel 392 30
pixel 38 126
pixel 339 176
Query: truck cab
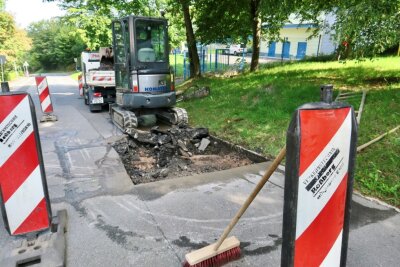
pixel 142 73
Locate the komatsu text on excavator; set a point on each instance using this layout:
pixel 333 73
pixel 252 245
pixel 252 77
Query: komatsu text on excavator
pixel 143 76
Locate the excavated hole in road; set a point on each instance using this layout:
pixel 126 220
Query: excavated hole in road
pixel 158 154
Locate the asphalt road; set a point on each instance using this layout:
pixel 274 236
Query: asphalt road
pixel 113 223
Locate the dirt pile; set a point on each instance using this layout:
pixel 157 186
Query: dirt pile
pixel 166 153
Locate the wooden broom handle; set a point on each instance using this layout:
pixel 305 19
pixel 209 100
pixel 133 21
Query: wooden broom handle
pixel 250 198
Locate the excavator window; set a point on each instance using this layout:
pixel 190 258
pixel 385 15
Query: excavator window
pixel 150 41
pixel 121 36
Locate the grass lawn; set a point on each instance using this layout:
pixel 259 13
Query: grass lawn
pixel 176 61
pixel 75 75
pixel 254 110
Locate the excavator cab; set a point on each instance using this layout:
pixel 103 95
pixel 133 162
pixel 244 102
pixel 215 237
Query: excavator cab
pixel 144 80
pixel 143 76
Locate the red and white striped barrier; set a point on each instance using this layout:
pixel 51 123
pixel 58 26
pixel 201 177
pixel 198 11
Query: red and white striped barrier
pixel 44 94
pixel 102 78
pixel 321 147
pixel 25 200
pixel 80 82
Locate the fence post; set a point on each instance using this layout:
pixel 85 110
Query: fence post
pixel 175 63
pixel 216 59
pixel 204 60
pixel 184 66
pixel 210 58
pixel 241 66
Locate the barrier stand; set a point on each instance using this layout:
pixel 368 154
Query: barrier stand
pixel 80 82
pixel 321 148
pixel 24 198
pixel 45 99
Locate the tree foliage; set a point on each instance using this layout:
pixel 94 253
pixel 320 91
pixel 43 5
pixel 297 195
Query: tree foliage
pixel 362 27
pixel 176 27
pixel 14 42
pixel 93 18
pixel 184 10
pixel 7 26
pixel 93 27
pixel 228 22
pixel 55 45
pixel 366 27
pixel 222 21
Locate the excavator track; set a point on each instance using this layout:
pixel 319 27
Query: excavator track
pixel 174 116
pixel 125 120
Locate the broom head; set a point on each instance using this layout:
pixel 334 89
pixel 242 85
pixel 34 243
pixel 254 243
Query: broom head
pixel 208 256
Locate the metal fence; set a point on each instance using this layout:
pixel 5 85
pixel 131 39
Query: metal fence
pixel 211 60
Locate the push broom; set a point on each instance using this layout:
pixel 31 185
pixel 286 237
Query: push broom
pixel 228 249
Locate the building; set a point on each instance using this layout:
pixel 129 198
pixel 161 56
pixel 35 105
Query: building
pixel 297 44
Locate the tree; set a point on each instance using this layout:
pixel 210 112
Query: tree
pixel 184 8
pixel 191 41
pixel 55 45
pixel 93 27
pixel 255 11
pixel 14 42
pixel 93 17
pixel 16 47
pixel 176 28
pixel 93 20
pixel 221 20
pixel 7 26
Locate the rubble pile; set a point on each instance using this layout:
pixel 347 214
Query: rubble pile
pixel 174 152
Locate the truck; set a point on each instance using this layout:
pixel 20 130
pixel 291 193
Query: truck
pixel 98 78
pixel 144 80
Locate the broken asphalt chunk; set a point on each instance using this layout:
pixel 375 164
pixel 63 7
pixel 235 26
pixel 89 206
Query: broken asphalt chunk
pixel 203 144
pixel 199 133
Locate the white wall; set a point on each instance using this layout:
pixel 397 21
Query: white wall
pixel 328 45
pixel 296 35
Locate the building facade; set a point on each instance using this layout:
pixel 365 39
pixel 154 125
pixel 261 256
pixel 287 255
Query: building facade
pixel 298 44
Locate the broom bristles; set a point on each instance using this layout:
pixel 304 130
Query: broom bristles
pixel 219 259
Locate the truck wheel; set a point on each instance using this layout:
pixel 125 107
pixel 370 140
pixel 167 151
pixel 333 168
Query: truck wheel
pixel 235 53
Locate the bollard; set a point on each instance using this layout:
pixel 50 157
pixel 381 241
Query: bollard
pixel 321 148
pixel 5 88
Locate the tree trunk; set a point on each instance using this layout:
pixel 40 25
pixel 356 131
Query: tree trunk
pixel 256 28
pixel 194 61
